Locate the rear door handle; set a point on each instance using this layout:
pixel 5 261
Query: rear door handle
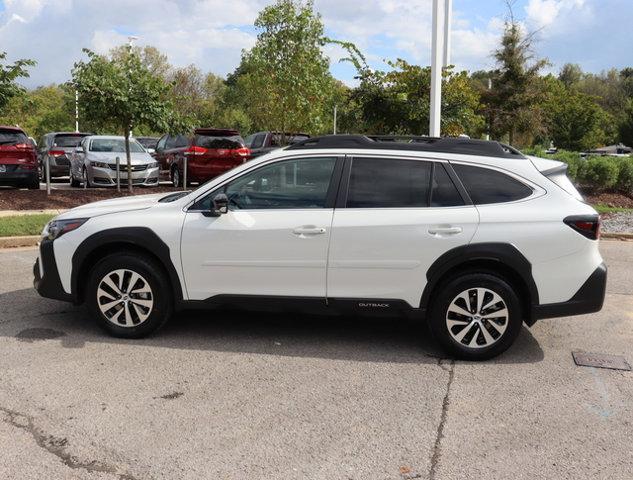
pixel 309 230
pixel 445 230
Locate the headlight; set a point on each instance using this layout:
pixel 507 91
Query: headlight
pixel 100 164
pixel 152 165
pixel 56 228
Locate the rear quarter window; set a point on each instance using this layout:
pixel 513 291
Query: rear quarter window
pixel 486 186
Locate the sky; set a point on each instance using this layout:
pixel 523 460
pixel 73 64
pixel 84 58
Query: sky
pixel 595 34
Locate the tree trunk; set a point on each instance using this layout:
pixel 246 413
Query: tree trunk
pixel 129 159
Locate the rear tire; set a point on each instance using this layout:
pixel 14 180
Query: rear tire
pixel 176 180
pixel 74 183
pixel 34 184
pixel 494 316
pixel 129 295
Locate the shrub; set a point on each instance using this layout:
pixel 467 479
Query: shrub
pixel 599 173
pixel 625 176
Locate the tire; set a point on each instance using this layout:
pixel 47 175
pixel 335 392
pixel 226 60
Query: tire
pixel 176 179
pixel 149 300
pixel 85 173
pixel 483 335
pixel 34 184
pixel 74 183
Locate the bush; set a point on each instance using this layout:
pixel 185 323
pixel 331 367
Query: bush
pixel 625 176
pixel 599 173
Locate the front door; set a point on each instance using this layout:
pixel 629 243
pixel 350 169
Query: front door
pixel 274 238
pixel 400 215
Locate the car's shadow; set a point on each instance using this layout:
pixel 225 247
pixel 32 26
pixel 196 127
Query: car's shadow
pixel 30 318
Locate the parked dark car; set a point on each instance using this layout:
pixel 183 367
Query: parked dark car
pixel 18 159
pixel 209 153
pixel 149 144
pixel 263 142
pixel 58 147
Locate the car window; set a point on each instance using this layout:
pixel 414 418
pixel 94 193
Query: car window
pixel 219 141
pixel 258 141
pixel 249 140
pixel 388 183
pixel 12 137
pixel 161 143
pixel 114 145
pixel 444 193
pixel 289 184
pixel 181 141
pixel 67 141
pixel 485 185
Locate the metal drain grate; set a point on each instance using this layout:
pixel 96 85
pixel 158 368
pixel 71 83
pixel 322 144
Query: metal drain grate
pixel 601 360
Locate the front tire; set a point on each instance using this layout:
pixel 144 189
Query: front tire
pixel 129 295
pixel 476 316
pixel 86 181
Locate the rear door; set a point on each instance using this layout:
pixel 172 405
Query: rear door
pixel 394 218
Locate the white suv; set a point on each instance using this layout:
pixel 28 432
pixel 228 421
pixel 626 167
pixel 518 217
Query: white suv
pixel 471 235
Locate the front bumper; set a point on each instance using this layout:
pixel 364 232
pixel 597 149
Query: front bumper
pixel 106 177
pixel 588 299
pixel 46 277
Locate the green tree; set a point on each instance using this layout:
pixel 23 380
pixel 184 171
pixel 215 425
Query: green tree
pixel 283 83
pixel 570 74
pixel 151 58
pixel 9 73
pixel 124 94
pixel 626 127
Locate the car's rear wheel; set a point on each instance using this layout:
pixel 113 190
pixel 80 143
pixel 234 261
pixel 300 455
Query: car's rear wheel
pixel 476 316
pixel 175 178
pixel 73 181
pixel 34 184
pixel 129 295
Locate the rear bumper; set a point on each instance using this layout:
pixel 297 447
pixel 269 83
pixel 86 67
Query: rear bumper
pixel 49 284
pixel 19 178
pixel 588 299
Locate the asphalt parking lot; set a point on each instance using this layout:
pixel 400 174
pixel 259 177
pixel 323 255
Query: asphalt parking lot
pixel 227 395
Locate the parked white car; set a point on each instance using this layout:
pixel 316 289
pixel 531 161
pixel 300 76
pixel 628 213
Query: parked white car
pixel 94 162
pixel 471 235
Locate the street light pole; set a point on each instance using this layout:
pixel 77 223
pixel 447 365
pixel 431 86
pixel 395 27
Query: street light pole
pixel 448 14
pixel 76 111
pixel 436 70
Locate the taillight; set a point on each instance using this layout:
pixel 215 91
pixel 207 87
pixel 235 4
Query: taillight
pixel 195 150
pixel 243 152
pixel 56 153
pixel 586 225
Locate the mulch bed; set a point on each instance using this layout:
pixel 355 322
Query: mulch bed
pixel 616 200
pixel 11 199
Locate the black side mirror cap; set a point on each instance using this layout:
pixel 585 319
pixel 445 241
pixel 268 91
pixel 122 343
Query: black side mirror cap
pixel 220 206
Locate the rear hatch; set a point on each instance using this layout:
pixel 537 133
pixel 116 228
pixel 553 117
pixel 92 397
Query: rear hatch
pixel 225 148
pixel 15 149
pixel 64 145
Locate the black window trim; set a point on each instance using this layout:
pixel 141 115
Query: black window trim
pixel 341 199
pixel 537 190
pixel 330 198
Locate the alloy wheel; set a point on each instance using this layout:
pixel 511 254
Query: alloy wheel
pixel 176 178
pixel 125 298
pixel 477 317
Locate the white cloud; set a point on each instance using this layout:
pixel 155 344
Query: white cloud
pixel 543 13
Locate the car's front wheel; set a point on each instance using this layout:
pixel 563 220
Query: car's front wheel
pixel 476 316
pixel 129 295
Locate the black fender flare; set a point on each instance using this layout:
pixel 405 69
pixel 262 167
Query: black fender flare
pixel 506 255
pixel 141 238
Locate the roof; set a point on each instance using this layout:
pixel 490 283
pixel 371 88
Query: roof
pixel 78 134
pixel 9 127
pixel 459 145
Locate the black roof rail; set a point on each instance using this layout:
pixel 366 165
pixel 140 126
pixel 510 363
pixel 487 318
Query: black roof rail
pixel 458 145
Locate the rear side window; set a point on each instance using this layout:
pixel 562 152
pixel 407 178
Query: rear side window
pixel 223 142
pixel 387 183
pixel 11 137
pixel 490 186
pixel 68 140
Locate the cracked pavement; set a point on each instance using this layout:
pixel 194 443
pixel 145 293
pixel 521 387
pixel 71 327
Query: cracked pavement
pixel 226 395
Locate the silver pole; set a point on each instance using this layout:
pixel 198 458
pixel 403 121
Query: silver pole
pixel 76 111
pixel 118 175
pixel 488 119
pixel 48 175
pixel 184 183
pixel 335 112
pixel 448 14
pixel 436 71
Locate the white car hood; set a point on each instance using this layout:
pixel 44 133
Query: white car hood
pixel 115 205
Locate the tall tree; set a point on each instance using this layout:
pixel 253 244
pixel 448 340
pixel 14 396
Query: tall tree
pixel 284 80
pixel 124 94
pixel 9 73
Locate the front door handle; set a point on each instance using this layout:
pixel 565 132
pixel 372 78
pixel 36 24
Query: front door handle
pixel 307 230
pixel 445 230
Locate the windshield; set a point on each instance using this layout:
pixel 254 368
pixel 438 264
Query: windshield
pixel 148 142
pixel 11 137
pixel 213 141
pixel 114 145
pixel 68 140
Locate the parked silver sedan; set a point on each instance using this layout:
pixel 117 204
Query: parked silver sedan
pixel 94 162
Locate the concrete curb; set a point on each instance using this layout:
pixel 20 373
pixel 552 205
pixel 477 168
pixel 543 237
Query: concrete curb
pixel 14 242
pixel 616 236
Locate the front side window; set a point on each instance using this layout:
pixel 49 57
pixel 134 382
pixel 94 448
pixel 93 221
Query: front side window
pixel 389 183
pixel 485 185
pixel 258 141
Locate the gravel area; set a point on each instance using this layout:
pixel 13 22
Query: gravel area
pixel 617 222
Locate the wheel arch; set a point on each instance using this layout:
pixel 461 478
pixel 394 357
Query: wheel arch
pixel 141 240
pixel 501 258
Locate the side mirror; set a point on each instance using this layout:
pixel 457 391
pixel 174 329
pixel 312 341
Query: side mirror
pixel 220 205
pixel 79 150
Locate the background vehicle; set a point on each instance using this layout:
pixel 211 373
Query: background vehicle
pixel 263 142
pixel 94 161
pixel 471 235
pixel 18 159
pixel 149 143
pixel 209 152
pixel 58 147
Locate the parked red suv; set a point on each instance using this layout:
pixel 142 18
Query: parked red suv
pixel 209 153
pixel 18 159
